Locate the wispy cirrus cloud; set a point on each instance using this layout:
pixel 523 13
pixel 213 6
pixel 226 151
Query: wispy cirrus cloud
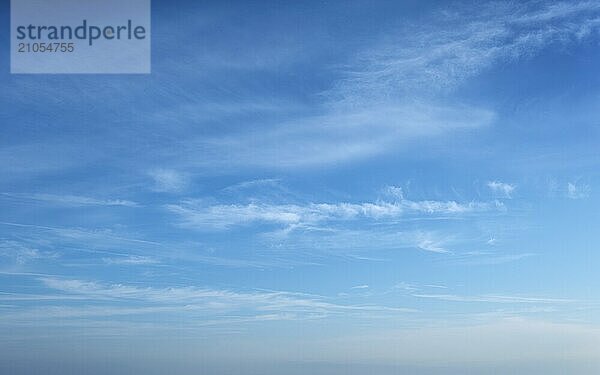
pixel 168 180
pixel 427 243
pixel 99 236
pixel 489 258
pixel 210 299
pixel 196 214
pixel 250 184
pixel 338 135
pixel 577 191
pixel 23 254
pixel 396 91
pixel 458 44
pixel 490 298
pixel 131 260
pixel 119 248
pixel 70 200
pixel 501 189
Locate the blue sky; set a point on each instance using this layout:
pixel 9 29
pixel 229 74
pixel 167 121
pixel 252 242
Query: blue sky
pixel 326 188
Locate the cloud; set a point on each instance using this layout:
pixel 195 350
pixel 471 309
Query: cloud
pixel 97 236
pixel 396 93
pixel 577 191
pixel 369 243
pixel 408 287
pixel 122 248
pixel 340 135
pixel 71 200
pixel 502 189
pixel 168 180
pixel 208 299
pixel 491 298
pixel 435 286
pixel 454 45
pixel 488 258
pixel 389 97
pixel 254 183
pixel 23 254
pixel 394 191
pixel 425 242
pixel 131 260
pixel 196 214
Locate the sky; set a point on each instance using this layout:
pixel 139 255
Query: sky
pixel 310 187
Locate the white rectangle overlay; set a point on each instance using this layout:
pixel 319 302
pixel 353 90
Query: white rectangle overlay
pixel 80 37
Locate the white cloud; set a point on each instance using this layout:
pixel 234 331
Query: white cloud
pixel 208 299
pixel 502 189
pixel 340 135
pixel 491 298
pixel 435 286
pixel 198 215
pixel 168 180
pixel 22 254
pixel 485 258
pixel 577 191
pixel 131 260
pixel 394 191
pixel 393 96
pixel 406 287
pixel 71 200
pixel 427 243
pixel 457 44
pixel 265 182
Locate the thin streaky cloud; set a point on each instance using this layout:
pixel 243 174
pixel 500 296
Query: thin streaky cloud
pixel 503 189
pixel 577 190
pixel 168 180
pixel 23 254
pixel 131 260
pixel 80 233
pixel 263 182
pixel 71 200
pixel 427 243
pixel 216 299
pixel 196 214
pixel 429 58
pixel 484 258
pixel 492 298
